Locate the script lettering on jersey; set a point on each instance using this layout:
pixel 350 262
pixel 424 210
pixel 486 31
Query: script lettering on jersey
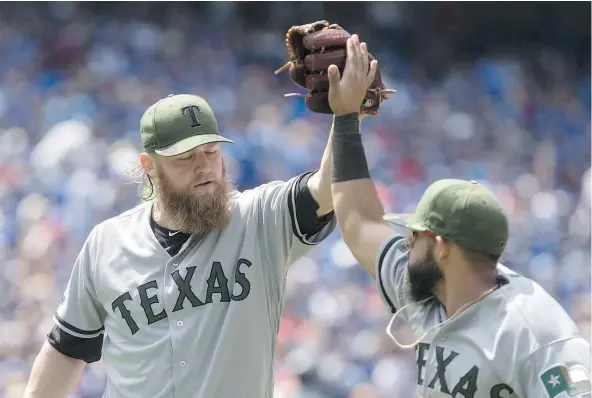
pixel 217 287
pixel 465 386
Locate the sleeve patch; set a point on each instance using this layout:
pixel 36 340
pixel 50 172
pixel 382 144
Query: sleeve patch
pixel 560 379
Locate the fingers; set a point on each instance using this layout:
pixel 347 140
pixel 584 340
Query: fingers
pixel 358 60
pixel 351 54
pixel 357 52
pixel 334 77
pixel 364 59
pixel 372 73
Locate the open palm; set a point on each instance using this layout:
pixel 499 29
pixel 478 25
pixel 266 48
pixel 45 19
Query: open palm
pixel 347 92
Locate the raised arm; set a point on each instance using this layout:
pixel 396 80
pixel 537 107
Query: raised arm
pixel 297 214
pixel 320 183
pixel 355 200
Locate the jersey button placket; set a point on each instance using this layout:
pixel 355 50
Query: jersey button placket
pixel 174 324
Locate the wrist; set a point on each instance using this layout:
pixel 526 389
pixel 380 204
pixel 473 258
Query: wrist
pixel 349 159
pixel 347 124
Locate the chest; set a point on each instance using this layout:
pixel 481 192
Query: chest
pixel 145 291
pixel 453 367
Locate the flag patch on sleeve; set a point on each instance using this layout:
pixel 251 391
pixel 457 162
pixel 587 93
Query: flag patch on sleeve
pixel 560 379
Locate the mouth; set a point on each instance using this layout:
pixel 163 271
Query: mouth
pixel 203 184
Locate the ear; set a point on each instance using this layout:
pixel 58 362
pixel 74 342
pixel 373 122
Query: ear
pixel 441 248
pixel 147 163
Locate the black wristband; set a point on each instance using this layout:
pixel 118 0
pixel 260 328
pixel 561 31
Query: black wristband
pixel 347 124
pixel 349 158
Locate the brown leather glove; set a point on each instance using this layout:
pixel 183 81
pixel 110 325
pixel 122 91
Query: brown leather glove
pixel 314 47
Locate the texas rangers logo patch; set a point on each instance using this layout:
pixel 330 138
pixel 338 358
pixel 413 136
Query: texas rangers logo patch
pixel 561 379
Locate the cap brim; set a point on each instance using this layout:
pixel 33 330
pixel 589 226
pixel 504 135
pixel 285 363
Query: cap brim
pixel 404 222
pixel 189 143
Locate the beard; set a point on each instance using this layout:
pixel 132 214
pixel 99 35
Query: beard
pixel 423 277
pixel 195 214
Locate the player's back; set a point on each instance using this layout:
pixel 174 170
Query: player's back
pixel 532 314
pixel 525 332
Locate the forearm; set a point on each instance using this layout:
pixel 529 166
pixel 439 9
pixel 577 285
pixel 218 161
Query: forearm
pixel 53 375
pixel 354 196
pixel 320 183
pixel 357 206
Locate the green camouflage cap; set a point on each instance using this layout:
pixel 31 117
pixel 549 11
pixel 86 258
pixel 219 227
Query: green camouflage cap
pixel 177 124
pixel 464 212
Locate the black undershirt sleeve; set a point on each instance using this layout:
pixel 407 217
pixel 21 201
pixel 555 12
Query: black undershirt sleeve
pixel 306 209
pixel 86 349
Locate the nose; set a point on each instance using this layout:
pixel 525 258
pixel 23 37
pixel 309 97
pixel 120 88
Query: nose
pixel 202 163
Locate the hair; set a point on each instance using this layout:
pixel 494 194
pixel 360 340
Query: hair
pixel 146 190
pixel 474 256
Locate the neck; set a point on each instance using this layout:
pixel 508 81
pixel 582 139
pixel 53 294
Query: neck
pixel 458 290
pixel 160 217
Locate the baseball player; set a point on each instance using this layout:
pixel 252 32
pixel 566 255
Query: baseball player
pixel 182 296
pixel 481 330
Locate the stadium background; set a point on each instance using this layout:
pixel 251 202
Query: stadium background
pixel 494 92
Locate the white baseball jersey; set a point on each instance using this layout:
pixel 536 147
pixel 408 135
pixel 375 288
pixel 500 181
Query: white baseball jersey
pixel 516 342
pixel 200 324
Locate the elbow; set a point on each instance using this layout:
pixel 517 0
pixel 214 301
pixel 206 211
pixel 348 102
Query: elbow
pixel 321 192
pixel 349 224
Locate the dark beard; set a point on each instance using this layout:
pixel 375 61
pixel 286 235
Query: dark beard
pixel 194 214
pixel 423 277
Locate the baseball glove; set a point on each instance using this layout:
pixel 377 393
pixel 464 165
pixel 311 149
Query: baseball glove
pixel 314 47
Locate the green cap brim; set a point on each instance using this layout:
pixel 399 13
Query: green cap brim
pixel 189 143
pixel 404 220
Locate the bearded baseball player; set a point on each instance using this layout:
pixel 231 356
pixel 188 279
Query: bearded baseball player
pixel 182 296
pixel 481 330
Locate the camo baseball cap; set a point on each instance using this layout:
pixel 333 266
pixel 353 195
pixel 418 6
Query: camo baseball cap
pixel 177 124
pixel 464 212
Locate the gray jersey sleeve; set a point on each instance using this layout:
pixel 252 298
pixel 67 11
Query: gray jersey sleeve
pixel 560 369
pixel 391 272
pixel 79 313
pixel 280 214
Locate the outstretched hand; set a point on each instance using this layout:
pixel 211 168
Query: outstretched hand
pixel 347 92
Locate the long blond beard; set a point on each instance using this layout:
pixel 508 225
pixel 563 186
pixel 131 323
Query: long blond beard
pixel 192 213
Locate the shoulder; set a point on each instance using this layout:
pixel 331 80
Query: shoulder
pixel 123 220
pixel 111 231
pixel 531 314
pixel 269 191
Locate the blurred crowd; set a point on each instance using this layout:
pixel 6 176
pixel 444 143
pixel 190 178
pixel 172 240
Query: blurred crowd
pixel 73 88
